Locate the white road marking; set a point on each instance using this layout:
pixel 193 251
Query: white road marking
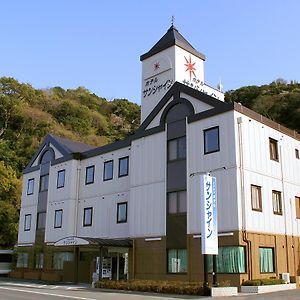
pixel 46 294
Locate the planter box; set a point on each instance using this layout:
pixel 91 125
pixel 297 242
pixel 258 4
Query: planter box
pixel 49 276
pixel 224 291
pixel 267 288
pixel 36 275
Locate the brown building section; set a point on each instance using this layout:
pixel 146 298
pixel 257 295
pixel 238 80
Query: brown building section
pixel 150 258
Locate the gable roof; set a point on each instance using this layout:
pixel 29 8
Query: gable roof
pixel 65 146
pixel 171 38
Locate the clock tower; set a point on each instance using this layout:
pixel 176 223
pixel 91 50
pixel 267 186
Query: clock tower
pixel 171 59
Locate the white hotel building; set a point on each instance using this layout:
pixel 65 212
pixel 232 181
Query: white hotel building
pixel 133 207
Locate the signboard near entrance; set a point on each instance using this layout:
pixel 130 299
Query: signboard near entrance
pixel 106 267
pixel 209 228
pixel 71 241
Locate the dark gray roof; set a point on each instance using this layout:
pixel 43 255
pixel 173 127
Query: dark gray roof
pixel 72 146
pixel 171 38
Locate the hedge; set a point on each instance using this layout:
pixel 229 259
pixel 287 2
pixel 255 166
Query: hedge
pixel 165 287
pixel 256 282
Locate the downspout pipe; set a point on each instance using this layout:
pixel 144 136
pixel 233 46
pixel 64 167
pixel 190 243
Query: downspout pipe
pixel 242 190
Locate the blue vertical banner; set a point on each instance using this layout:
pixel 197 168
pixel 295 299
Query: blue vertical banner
pixel 209 225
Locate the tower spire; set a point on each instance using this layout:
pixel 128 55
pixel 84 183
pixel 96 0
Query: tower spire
pixel 172 20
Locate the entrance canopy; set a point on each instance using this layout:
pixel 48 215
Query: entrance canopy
pixel 83 241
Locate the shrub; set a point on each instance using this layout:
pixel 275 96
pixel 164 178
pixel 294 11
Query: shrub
pixel 256 282
pixel 165 287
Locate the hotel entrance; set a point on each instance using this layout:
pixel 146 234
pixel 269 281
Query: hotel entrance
pixel 106 258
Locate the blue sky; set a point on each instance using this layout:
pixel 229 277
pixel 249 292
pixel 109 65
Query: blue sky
pixel 97 43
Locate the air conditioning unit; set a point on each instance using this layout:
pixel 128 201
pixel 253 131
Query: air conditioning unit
pixel 286 277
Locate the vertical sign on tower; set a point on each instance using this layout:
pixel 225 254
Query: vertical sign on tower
pixel 209 228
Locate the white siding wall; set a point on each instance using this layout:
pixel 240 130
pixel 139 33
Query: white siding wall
pixel 228 206
pixel 148 186
pixel 199 106
pixel 62 198
pixel 28 206
pixel 104 224
pixel 100 187
pixel 281 176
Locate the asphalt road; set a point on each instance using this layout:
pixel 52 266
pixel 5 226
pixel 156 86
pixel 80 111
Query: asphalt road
pixel 14 290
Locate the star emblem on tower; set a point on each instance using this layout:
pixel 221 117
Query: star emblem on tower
pixel 190 67
pixel 156 65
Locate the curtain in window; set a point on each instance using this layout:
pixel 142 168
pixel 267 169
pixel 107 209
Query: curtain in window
pixel 22 261
pixel 182 257
pixel 266 260
pixel 172 261
pixel 177 260
pixel 229 260
pixel 59 258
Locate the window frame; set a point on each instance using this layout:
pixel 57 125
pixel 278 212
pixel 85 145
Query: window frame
pixel 297 155
pixel 273 260
pixel 106 163
pixel 42 178
pixel 118 205
pixel 38 220
pixel 177 203
pixel 120 159
pixel 205 131
pixel 259 188
pixel 59 186
pixel 28 185
pixel 273 155
pixel 297 206
pixel 219 257
pixel 177 141
pixel 92 167
pixel 27 228
pixel 90 208
pixel 55 218
pixel 277 193
pixel 177 249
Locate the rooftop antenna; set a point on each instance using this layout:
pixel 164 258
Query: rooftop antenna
pixel 172 20
pixel 220 86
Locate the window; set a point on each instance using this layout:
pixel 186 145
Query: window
pixel 277 205
pixel 89 174
pixel 59 258
pixel 108 170
pixel 273 144
pixel 41 220
pixel 256 197
pixel 177 260
pixel 60 179
pixel 27 223
pixel 177 202
pixel 30 186
pixel 266 260
pixel 88 216
pixel 297 205
pixel 177 149
pixel 58 218
pixel 22 260
pixel 230 259
pixel 123 166
pixel 297 154
pixel 211 140
pixel 122 212
pixel 44 180
pixel 39 260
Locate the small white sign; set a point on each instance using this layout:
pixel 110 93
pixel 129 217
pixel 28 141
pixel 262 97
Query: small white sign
pixel 71 241
pixel 209 228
